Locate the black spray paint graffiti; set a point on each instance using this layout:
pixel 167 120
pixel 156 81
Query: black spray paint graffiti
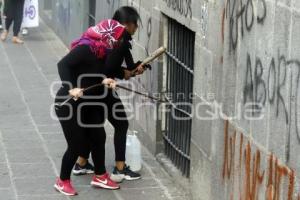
pixel 242 14
pixel 204 19
pixel 260 91
pixel 269 86
pixel 149 33
pixel 184 7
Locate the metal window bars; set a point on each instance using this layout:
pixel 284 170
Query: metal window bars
pixel 180 73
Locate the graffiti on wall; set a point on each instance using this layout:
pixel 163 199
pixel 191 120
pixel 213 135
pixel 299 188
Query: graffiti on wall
pixel 281 73
pixel 242 18
pixel 243 170
pixel 204 19
pixel 265 83
pixel 149 33
pixel 184 7
pixel 273 81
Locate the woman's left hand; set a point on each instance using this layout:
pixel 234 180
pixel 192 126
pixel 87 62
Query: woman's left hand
pixel 110 83
pixel 76 93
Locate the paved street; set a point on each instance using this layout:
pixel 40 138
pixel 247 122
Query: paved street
pixel 32 143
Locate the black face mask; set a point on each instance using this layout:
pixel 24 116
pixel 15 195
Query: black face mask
pixel 126 36
pixel 125 40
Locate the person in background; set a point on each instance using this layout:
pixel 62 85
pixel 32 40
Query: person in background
pixel 13 11
pixel 24 30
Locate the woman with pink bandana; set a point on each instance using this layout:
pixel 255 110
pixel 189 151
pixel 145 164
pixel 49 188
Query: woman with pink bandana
pixel 90 57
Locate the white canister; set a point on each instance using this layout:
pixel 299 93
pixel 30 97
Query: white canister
pixel 133 152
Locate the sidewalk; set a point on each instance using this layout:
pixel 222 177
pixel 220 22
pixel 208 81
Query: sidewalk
pixel 32 143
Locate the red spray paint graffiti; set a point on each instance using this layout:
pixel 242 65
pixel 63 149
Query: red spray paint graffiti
pixel 250 175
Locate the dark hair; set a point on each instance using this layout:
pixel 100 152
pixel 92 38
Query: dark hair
pixel 127 14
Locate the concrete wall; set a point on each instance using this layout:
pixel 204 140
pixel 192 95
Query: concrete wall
pixel 245 52
pixel 249 53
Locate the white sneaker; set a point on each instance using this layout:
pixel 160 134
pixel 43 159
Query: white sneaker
pixel 24 31
pixel 127 174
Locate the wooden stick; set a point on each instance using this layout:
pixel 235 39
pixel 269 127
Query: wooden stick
pixel 158 52
pixel 146 61
pixel 84 90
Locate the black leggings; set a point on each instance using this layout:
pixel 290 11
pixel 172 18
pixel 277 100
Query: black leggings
pixel 116 115
pixel 80 138
pixel 17 24
pixel 14 14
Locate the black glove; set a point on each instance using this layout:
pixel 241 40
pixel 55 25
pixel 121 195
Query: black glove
pixel 126 40
pixel 147 66
pixel 137 64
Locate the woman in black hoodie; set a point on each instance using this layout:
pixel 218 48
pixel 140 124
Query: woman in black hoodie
pixel 89 58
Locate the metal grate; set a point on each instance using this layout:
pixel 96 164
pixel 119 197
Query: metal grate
pixel 92 12
pixel 179 86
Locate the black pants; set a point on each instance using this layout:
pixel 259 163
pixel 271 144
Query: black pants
pixel 116 115
pixel 14 14
pixel 79 137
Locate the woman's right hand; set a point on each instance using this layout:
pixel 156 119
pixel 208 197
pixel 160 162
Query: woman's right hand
pixel 76 93
pixel 127 74
pixel 110 83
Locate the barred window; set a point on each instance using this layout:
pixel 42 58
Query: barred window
pixel 180 66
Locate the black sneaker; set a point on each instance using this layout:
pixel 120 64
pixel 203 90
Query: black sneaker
pixel 119 175
pixel 87 169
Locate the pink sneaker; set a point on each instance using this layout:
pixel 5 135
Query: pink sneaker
pixel 105 182
pixel 65 187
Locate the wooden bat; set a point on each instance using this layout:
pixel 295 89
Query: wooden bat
pixel 158 52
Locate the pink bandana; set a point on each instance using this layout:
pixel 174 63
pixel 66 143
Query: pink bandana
pixel 101 38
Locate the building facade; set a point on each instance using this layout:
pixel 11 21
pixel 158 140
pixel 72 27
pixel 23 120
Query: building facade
pixel 240 139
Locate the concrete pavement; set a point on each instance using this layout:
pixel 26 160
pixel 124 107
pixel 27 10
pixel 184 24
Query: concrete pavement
pixel 32 143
